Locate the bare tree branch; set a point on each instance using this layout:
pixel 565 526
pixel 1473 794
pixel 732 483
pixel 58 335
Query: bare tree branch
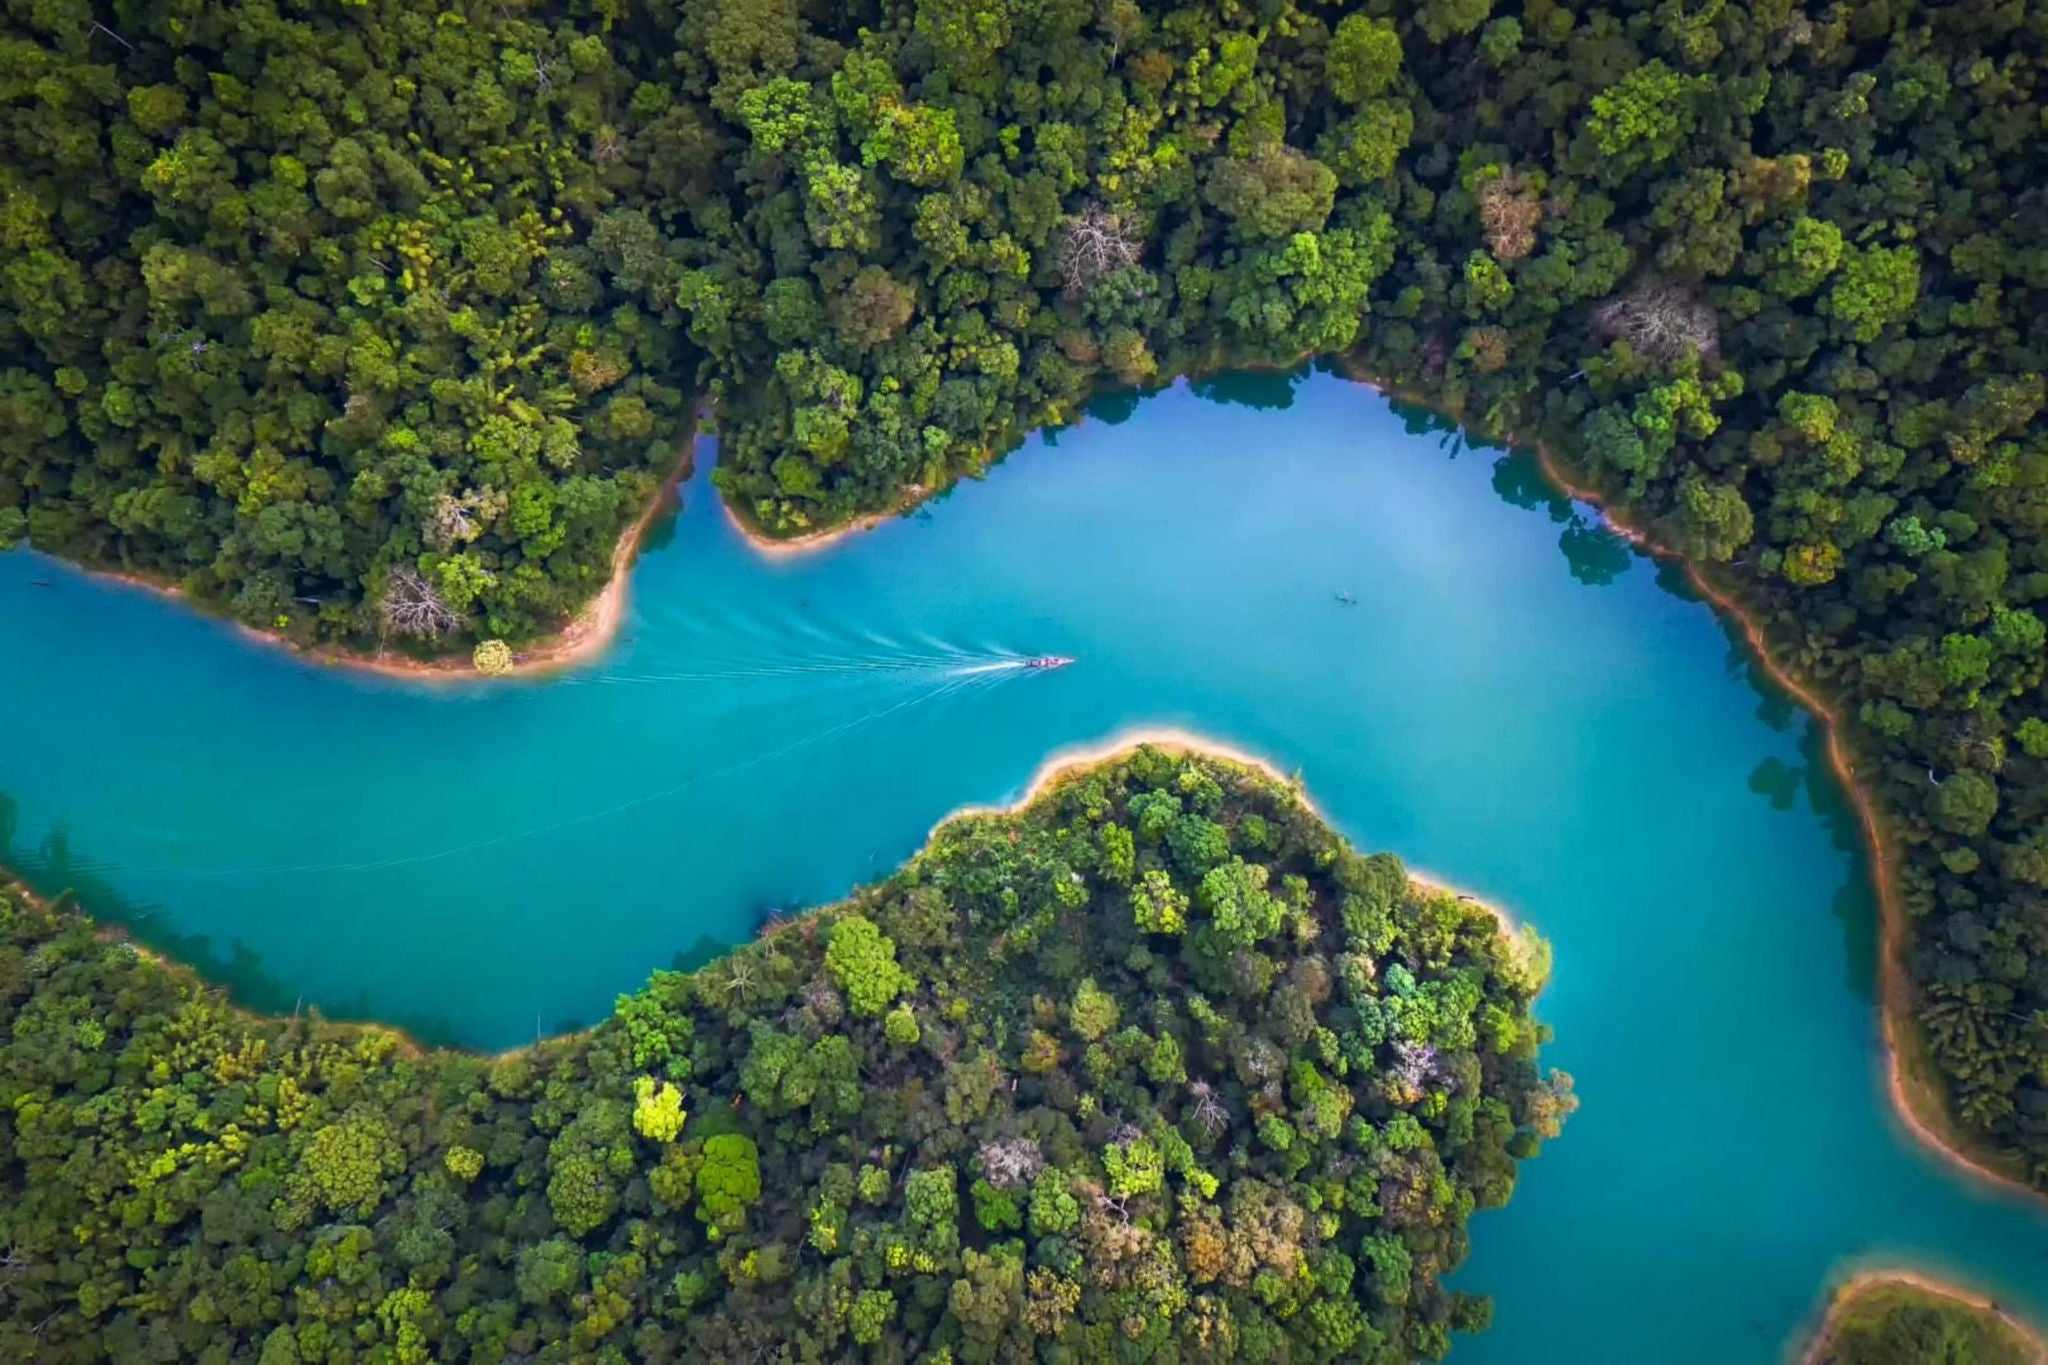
pixel 1662 322
pixel 413 606
pixel 1010 1162
pixel 1208 1111
pixel 1097 242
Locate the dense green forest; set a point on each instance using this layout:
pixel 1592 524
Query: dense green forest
pixel 1157 1068
pixel 1896 1322
pixel 377 321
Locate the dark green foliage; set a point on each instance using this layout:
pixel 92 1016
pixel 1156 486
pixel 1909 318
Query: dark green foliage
pixel 1282 1161
pixel 1895 1322
pixel 292 299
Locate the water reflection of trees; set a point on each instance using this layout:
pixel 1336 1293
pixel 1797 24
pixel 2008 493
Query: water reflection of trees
pixel 1261 390
pixel 1593 552
pixel 1854 904
pixel 1597 556
pixel 55 869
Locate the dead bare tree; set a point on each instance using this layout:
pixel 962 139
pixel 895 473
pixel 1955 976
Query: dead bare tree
pixel 1011 1162
pixel 1662 322
pixel 1208 1110
pixel 1118 1205
pixel 1095 243
pixel 413 606
pixel 1414 1063
pixel 1509 211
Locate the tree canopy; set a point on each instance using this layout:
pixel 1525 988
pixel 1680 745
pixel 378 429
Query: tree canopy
pixel 1902 1322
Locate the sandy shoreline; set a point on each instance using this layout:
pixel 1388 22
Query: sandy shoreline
pixel 1922 1113
pixel 586 635
pixel 1840 1295
pixel 796 547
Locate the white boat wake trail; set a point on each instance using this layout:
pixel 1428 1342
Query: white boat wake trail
pixel 954 679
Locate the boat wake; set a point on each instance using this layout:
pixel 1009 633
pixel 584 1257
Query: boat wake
pixel 975 678
pixel 1036 661
pixel 948 665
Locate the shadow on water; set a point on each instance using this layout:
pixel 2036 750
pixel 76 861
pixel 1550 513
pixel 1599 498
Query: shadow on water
pixel 55 870
pixel 1783 785
pixel 1519 481
pixel 1672 579
pixel 1778 782
pixel 1260 390
pixel 661 532
pixel 1593 552
pixel 1812 778
pixel 1113 408
pixel 1418 420
pixel 1595 555
pixel 705 951
pixel 1855 905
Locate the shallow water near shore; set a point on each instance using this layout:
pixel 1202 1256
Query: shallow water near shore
pixel 1511 699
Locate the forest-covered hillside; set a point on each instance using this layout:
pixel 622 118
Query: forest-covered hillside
pixel 1157 1068
pixel 377 321
pixel 1887 1321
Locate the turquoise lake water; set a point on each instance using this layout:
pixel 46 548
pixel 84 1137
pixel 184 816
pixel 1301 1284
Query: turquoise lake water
pixel 1516 703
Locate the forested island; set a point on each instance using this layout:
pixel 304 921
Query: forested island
pixel 1153 1067
pixel 1904 1320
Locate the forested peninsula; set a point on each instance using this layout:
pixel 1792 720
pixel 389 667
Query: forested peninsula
pixel 377 323
pixel 1154 1066
pixel 1903 1319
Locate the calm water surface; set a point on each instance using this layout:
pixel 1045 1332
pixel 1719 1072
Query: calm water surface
pixel 1514 702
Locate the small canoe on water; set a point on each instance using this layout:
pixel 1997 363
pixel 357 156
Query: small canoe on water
pixel 1048 661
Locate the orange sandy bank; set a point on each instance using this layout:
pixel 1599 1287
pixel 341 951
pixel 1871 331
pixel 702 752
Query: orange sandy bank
pixel 1864 1282
pixel 1919 1106
pixel 1918 1103
pixel 795 547
pixel 584 637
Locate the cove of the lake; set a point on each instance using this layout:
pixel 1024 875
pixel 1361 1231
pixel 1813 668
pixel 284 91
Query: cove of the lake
pixel 1512 700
